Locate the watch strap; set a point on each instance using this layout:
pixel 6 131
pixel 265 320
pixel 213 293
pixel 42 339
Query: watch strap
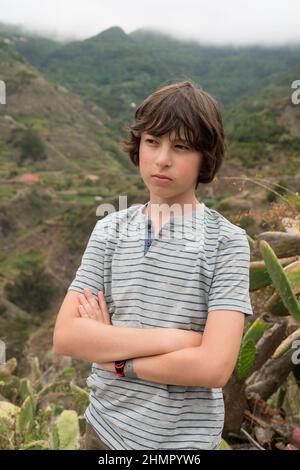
pixel 119 366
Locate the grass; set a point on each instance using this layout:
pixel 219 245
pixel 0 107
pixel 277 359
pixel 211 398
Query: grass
pixel 293 199
pixel 6 191
pixel 6 268
pixel 38 123
pixel 86 199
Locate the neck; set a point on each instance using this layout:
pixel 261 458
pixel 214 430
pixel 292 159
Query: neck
pixel 176 207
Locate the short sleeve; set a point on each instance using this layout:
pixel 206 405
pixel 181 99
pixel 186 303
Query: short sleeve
pixel 230 284
pixel 90 272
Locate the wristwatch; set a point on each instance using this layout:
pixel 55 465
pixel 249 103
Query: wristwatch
pixel 119 366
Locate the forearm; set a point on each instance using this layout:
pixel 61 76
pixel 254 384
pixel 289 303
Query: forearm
pixel 88 340
pixel 187 367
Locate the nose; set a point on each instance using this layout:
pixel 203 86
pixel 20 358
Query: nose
pixel 163 156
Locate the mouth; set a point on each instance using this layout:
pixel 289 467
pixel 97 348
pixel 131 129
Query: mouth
pixel 161 178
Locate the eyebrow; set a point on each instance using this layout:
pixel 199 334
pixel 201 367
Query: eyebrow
pixel 174 140
pixel 180 140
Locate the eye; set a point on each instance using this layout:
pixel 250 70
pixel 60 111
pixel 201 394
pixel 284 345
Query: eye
pixel 183 147
pixel 149 140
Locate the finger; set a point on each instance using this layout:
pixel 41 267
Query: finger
pixel 104 308
pixel 88 294
pixel 94 308
pixel 86 305
pixel 92 315
pixel 82 312
pixel 89 297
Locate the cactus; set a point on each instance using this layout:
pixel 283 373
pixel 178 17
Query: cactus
pixel 284 244
pixel 259 275
pixel 8 413
pixel 65 433
pixel 224 445
pixel 35 373
pixel 68 373
pixel 10 388
pixel 81 396
pixel 256 330
pixel 246 359
pixel 10 366
pixel 280 280
pixel 275 304
pixel 247 353
pixel 29 426
pixel 286 344
pixel 25 418
pixel 35 445
pixel 25 389
pixel 286 281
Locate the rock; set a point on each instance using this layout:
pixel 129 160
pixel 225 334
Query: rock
pixel 282 243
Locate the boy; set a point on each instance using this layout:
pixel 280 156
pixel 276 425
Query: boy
pixel 173 289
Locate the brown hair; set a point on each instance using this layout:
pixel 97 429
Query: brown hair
pixel 178 106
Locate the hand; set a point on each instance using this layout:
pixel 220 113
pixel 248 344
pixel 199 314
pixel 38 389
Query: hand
pixel 90 308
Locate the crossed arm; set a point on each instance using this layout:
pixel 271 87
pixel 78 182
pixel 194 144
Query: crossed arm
pixel 163 355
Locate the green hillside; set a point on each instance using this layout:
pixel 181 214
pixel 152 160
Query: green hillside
pixel 67 108
pixel 264 128
pixel 57 159
pixel 73 132
pixel 116 70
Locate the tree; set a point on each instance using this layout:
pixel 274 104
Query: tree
pixel 33 288
pixel 32 147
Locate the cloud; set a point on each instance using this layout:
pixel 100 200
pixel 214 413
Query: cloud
pixel 230 22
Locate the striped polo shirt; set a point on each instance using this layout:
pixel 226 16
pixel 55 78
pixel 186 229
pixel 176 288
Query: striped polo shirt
pixel 196 263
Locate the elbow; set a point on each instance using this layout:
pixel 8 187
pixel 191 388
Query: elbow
pixel 59 342
pixel 216 381
pixel 217 370
pixel 222 377
pixel 220 382
pixel 218 377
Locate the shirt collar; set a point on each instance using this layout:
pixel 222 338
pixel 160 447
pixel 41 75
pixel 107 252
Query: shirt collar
pixel 188 226
pixel 198 211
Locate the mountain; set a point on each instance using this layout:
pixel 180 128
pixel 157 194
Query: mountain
pixel 32 46
pixel 264 128
pixel 117 70
pixel 74 132
pixel 67 105
pixel 58 157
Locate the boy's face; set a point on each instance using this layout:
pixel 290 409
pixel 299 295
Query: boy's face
pixel 171 158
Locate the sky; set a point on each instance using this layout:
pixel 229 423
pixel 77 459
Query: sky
pixel 227 22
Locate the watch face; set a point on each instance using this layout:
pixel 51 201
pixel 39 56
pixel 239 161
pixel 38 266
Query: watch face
pixel 119 366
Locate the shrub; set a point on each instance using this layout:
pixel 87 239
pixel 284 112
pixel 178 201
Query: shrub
pixel 32 147
pixel 33 288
